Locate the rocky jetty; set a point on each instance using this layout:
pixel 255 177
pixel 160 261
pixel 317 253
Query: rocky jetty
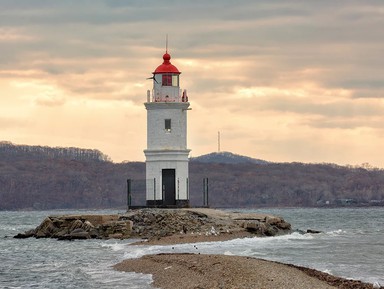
pixel 155 224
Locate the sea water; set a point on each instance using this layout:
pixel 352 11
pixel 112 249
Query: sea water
pixel 351 245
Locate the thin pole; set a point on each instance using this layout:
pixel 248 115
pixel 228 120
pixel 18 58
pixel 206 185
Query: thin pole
pixel 166 43
pixel 207 194
pixel 154 191
pixel 178 189
pixel 128 194
pixel 204 192
pixel 218 141
pixel 187 189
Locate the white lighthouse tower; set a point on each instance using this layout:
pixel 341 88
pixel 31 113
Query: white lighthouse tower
pixel 167 154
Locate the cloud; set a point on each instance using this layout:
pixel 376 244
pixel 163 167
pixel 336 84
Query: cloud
pixel 273 76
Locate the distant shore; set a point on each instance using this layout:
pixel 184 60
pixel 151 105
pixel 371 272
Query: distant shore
pixel 192 271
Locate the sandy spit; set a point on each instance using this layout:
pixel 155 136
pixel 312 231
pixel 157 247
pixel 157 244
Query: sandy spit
pixel 197 271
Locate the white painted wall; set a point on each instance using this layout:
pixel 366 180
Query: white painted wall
pixel 156 161
pixel 157 137
pixel 167 149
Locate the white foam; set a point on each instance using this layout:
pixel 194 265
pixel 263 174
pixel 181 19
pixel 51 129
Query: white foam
pixel 327 271
pixel 108 277
pixel 132 252
pixel 115 246
pixel 336 232
pixel 243 246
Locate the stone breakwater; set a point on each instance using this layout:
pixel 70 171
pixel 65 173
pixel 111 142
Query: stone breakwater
pixel 154 224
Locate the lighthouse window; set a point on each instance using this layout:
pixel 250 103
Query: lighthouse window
pixel 170 80
pixel 167 80
pixel 175 80
pixel 168 125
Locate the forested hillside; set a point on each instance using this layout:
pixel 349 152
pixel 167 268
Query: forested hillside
pixel 49 178
pixel 33 177
pixel 290 184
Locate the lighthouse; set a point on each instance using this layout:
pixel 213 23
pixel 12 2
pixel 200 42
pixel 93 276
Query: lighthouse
pixel 167 183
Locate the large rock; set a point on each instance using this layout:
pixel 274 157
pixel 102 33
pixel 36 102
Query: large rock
pixel 77 234
pixel 46 229
pixel 71 227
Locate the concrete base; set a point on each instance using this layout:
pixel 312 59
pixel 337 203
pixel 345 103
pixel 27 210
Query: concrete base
pixel 159 204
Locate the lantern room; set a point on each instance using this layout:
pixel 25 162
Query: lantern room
pixel 166 86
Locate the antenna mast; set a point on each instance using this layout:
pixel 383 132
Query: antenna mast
pixel 166 43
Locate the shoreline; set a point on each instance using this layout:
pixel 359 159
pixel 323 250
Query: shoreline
pixel 192 271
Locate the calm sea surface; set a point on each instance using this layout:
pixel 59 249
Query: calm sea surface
pixel 351 246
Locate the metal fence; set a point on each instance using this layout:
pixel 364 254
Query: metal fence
pixel 137 191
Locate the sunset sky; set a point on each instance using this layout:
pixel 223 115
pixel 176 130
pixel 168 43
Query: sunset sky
pixel 283 81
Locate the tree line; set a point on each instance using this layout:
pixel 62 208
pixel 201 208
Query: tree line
pixel 60 178
pixel 9 150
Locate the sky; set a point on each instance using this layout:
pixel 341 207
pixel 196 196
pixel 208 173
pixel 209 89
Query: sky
pixel 282 81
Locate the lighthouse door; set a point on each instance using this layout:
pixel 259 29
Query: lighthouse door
pixel 169 191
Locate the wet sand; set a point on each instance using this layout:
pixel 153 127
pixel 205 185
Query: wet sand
pixel 192 271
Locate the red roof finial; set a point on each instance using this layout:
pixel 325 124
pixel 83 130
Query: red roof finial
pixel 167 58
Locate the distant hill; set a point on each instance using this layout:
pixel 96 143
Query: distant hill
pixel 226 158
pixel 35 177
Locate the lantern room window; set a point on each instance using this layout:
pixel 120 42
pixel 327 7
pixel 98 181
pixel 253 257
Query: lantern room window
pixel 170 80
pixel 175 80
pixel 167 80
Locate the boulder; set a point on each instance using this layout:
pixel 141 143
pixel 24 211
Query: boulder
pixel 252 226
pixel 309 231
pixel 271 231
pixel 272 220
pixel 46 229
pixel 278 223
pixel 77 234
pixel 76 224
pixel 88 226
pixel 27 234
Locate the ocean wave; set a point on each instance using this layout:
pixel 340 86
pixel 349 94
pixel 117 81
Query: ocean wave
pixel 328 271
pixel 115 246
pixel 337 232
pixel 230 247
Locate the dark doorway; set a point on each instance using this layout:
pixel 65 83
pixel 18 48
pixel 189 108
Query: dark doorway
pixel 169 192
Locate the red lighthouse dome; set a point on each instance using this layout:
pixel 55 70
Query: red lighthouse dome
pixel 166 67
